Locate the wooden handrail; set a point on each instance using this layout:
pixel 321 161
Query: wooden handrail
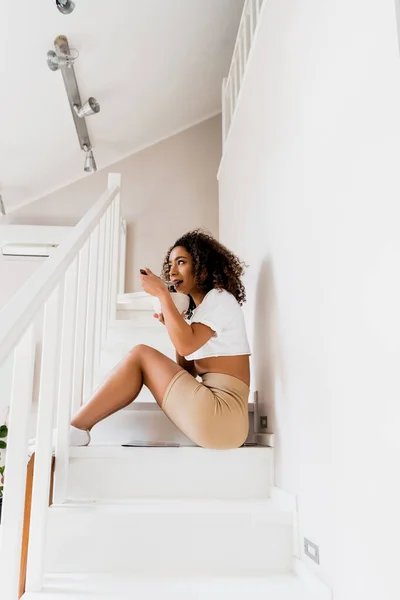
pixel 27 519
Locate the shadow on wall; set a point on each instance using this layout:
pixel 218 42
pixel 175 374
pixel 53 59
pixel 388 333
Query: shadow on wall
pixel 267 364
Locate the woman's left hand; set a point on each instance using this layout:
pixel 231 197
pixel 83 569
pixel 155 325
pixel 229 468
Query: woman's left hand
pixel 152 284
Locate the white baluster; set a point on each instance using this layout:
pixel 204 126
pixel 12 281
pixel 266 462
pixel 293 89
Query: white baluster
pixel 99 291
pixel 224 109
pixel 245 40
pixel 65 382
pixel 240 57
pixel 91 315
pixel 105 310
pixel 80 329
pixel 231 97
pixel 122 256
pixel 44 434
pixel 114 180
pixel 17 452
pixel 252 20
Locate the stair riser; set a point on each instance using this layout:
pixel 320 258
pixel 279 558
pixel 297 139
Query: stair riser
pixel 120 341
pixel 153 543
pixel 141 318
pixel 128 425
pixel 172 473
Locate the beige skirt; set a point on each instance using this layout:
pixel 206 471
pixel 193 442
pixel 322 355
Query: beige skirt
pixel 212 413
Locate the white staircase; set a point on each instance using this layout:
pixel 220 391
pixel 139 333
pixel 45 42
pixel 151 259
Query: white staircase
pixel 180 523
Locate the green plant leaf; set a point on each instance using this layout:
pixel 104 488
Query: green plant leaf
pixel 3 431
pixel 2 470
pixel 3 445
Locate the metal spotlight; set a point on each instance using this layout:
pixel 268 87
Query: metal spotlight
pixel 2 207
pixel 56 61
pixel 90 163
pixel 65 6
pixel 91 107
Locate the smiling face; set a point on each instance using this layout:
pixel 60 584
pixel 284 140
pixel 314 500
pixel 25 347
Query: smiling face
pixel 181 271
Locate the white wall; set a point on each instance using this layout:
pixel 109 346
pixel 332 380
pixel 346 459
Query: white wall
pixel 310 198
pixel 15 271
pixel 168 188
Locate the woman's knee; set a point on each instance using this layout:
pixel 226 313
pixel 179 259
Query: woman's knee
pixel 137 353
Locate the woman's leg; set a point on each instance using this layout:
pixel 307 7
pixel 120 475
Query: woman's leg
pixel 142 366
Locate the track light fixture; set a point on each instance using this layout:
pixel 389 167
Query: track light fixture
pixel 91 107
pixel 62 59
pixel 90 164
pixel 56 61
pixel 2 207
pixel 65 6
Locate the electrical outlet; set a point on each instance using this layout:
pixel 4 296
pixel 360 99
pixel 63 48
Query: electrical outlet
pixel 311 550
pixel 263 422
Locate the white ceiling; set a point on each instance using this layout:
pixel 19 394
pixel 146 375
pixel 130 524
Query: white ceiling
pixel 154 65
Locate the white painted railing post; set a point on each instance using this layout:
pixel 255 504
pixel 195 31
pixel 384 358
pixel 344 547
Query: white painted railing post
pixel 114 180
pixel 17 451
pixel 245 41
pixel 122 257
pixel 91 315
pixel 223 105
pixel 65 382
pixel 99 292
pixel 49 373
pixel 252 19
pixel 80 328
pixel 105 308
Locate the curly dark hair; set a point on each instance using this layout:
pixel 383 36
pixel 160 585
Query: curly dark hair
pixel 214 266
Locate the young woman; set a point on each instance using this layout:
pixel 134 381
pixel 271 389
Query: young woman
pixel 210 342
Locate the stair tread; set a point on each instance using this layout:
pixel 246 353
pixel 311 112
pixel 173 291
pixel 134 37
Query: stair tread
pixel 114 450
pixel 93 586
pixel 176 505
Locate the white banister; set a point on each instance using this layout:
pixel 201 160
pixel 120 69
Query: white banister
pixel 250 19
pixel 14 490
pixel 44 436
pixel 65 382
pixel 18 314
pixel 76 295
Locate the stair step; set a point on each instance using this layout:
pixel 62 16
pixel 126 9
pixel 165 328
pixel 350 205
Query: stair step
pixel 114 472
pixel 76 586
pixel 141 318
pixel 173 537
pixel 135 301
pixel 122 336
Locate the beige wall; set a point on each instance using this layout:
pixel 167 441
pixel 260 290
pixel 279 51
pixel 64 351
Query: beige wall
pixel 314 209
pixel 168 188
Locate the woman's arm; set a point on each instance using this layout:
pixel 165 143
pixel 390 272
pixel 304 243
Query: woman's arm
pixel 186 338
pixel 188 365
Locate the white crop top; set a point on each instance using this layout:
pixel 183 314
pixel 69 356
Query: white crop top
pixel 220 311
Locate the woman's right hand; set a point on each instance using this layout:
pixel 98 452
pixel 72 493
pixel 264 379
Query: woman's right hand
pixel 160 317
